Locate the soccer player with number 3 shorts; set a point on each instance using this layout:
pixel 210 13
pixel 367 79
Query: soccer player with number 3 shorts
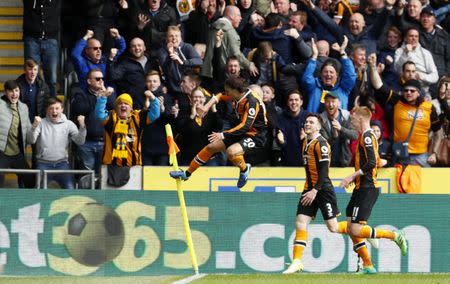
pixel 365 193
pixel 246 137
pixel 318 192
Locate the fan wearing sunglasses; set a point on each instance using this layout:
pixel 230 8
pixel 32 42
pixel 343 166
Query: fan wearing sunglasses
pixel 83 103
pixel 87 54
pixel 407 104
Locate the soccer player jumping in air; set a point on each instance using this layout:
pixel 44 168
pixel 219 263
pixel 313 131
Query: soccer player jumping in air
pixel 246 137
pixel 365 193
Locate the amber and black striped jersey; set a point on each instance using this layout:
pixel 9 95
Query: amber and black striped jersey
pixel 427 118
pixel 136 125
pixel 250 112
pixel 366 160
pixel 316 159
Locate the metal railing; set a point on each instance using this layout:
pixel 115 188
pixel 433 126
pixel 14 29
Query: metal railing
pixel 44 174
pixel 24 171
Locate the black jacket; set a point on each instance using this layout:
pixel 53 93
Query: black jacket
pixel 41 18
pixel 129 77
pixel 154 33
pixel 83 103
pixel 439 46
pixel 42 95
pixel 154 138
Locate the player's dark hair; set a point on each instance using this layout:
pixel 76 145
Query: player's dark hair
pixel 236 83
pixel 316 115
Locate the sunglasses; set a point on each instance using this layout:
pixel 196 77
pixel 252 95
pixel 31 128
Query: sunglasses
pixel 98 78
pixel 96 47
pixel 409 90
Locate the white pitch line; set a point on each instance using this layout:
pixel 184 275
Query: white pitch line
pixel 190 278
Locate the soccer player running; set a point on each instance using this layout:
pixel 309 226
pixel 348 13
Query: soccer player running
pixel 365 193
pixel 247 136
pixel 318 192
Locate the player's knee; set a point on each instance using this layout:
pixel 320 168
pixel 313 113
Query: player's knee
pixel 353 230
pixel 332 228
pixel 301 225
pixel 211 148
pixel 231 153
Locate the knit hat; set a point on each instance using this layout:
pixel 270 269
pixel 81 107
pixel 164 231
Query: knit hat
pixel 412 83
pixel 124 98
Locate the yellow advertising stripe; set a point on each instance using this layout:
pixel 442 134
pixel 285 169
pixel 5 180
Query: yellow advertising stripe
pixel 11 11
pixel 11 22
pixel 11 46
pixel 11 61
pixel 10 36
pixel 11 71
pixel 2 88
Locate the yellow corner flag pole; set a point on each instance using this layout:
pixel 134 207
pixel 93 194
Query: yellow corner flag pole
pixel 173 150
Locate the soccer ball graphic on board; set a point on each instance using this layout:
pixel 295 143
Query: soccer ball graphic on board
pixel 95 234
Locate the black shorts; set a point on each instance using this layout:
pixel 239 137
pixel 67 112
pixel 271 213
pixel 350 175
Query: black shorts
pixel 361 203
pixel 250 145
pixel 325 200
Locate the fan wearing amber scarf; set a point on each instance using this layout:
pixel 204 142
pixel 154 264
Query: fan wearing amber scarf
pixel 124 127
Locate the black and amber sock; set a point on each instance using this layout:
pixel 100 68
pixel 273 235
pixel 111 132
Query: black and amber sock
pixel 301 236
pixel 359 246
pixel 238 161
pixel 202 158
pixel 372 233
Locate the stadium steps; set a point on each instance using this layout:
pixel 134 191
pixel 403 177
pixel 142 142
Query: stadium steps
pixel 11 45
pixel 11 52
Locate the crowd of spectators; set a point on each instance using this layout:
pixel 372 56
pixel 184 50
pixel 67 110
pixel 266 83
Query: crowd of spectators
pixel 308 56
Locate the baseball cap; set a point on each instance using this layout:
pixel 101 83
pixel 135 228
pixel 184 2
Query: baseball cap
pixel 333 95
pixel 428 10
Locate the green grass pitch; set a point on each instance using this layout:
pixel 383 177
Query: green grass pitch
pixel 303 278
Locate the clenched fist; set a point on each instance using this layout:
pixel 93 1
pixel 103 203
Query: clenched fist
pixel 88 35
pixel 149 95
pixel 37 121
pixel 113 53
pixel 80 120
pixel 114 33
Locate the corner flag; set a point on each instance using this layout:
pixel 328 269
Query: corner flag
pixel 173 150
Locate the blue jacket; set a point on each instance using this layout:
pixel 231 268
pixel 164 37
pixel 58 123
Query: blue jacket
pixel 314 87
pixel 83 64
pixel 101 113
pixel 281 43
